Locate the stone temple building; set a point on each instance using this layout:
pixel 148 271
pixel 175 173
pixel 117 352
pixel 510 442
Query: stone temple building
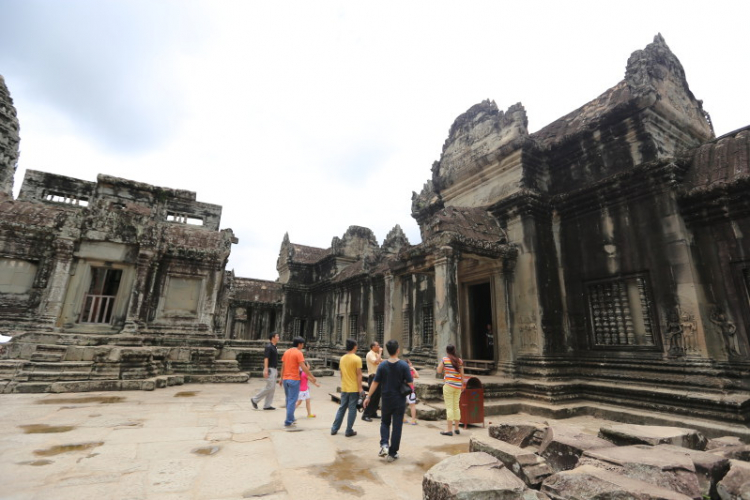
pixel 601 258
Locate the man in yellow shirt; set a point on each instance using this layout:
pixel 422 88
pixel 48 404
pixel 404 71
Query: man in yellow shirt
pixel 350 367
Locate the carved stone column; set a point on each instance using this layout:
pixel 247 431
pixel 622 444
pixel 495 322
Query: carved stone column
pixel 57 283
pixel 446 298
pixel 392 308
pixel 140 292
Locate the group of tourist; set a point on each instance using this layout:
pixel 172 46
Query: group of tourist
pixel 390 381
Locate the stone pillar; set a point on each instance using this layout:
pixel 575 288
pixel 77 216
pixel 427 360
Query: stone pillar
pixel 392 308
pixel 446 298
pixel 141 291
pixel 57 283
pixel 501 325
pixel 371 324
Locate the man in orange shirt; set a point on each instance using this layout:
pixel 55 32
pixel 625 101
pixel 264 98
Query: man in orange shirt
pixel 291 362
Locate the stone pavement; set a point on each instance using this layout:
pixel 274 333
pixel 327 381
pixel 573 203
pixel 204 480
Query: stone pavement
pixel 202 442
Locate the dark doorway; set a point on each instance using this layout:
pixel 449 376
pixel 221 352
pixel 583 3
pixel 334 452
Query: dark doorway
pixel 480 310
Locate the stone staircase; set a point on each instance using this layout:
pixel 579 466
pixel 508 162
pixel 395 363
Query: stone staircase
pixel 57 362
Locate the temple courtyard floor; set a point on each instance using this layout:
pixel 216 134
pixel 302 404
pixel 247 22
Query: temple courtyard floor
pixel 205 441
pixel 202 441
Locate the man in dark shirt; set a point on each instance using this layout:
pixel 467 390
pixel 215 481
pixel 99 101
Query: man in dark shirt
pixel 391 375
pixel 270 372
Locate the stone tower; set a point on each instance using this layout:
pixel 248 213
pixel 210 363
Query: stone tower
pixel 9 140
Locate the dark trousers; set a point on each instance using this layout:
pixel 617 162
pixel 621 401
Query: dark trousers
pixel 392 412
pixel 372 406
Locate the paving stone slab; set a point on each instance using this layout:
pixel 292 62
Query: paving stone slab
pixel 563 445
pixel 523 462
pixel 625 434
pixel 520 435
pixel 472 475
pixel 736 484
pixel 593 483
pixel 672 471
pixel 709 468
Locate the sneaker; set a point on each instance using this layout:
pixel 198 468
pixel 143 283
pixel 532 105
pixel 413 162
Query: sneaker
pixel 366 418
pixel 268 408
pixel 446 433
pixel 255 405
pixel 383 451
pixel 290 425
pixel 458 431
pixel 391 458
pixel 350 434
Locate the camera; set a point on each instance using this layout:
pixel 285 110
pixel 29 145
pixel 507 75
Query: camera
pixel 361 401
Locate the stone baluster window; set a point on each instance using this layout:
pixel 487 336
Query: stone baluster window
pixel 353 318
pixel 380 328
pixel 428 326
pixel 621 312
pixel 68 199
pixel 340 329
pixel 322 330
pixel 405 329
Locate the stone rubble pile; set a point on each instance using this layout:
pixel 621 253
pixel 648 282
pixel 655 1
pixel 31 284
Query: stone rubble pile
pixel 565 462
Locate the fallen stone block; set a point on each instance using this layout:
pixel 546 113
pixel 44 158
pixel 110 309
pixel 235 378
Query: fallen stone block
pixel 592 483
pixel 741 453
pixel 736 484
pixel 520 435
pixel 709 468
pixel 723 441
pixel 562 446
pixel 627 434
pixel 672 471
pixel 474 475
pixel 523 462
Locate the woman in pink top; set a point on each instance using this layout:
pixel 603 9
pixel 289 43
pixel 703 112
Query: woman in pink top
pixel 304 391
pixel 411 399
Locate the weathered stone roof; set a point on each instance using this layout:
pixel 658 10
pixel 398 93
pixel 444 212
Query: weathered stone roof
pixel 653 76
pixel 308 255
pixel 255 290
pixel 350 271
pixel 474 224
pixel 32 214
pixel 723 160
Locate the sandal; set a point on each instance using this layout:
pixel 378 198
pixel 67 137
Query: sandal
pixel 311 415
pixel 414 422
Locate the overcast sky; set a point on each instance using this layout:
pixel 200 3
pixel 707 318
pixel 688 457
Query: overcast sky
pixel 308 117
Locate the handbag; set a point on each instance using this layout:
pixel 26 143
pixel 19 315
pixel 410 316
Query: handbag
pixel 405 389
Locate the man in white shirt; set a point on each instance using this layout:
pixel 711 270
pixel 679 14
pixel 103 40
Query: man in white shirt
pixel 374 358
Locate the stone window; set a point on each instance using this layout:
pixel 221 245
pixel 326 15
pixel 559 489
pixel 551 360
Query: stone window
pixel 353 326
pixel 322 330
pixel 67 199
pixel 183 295
pixel 380 328
pixel 405 329
pixel 16 276
pixel 427 326
pixel 340 329
pixel 181 218
pixel 620 312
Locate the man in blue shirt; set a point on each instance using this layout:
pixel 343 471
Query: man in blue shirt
pixel 390 377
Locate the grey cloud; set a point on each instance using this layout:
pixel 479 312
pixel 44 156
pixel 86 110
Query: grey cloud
pixel 99 63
